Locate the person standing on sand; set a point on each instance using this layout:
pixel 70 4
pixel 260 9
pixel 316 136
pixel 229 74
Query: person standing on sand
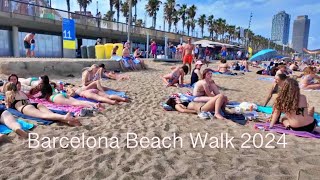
pixel 27 43
pixel 187 54
pixel 153 48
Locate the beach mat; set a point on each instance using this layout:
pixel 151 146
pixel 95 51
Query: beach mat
pixel 109 92
pixel 268 110
pixel 279 128
pixel 237 118
pixel 19 114
pixel 25 126
pixel 269 79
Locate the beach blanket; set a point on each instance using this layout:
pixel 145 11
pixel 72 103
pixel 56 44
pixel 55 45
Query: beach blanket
pixel 279 128
pixel 109 92
pixel 60 107
pixel 25 126
pixel 268 110
pixel 19 114
pixel 2 97
pixel 269 79
pixel 188 86
pixel 226 74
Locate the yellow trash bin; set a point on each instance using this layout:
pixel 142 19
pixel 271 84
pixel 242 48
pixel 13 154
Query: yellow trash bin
pixel 99 51
pixel 120 49
pixel 108 50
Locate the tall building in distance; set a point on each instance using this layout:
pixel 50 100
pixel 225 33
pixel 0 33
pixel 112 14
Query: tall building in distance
pixel 280 28
pixel 300 34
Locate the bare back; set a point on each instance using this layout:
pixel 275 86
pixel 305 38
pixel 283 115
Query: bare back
pixel 302 119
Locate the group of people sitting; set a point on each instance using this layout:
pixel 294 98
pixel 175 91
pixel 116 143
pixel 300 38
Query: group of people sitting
pixel 127 61
pixel 43 88
pixel 207 98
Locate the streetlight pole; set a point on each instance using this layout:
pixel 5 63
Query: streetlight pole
pixel 129 23
pixel 247 35
pixel 97 6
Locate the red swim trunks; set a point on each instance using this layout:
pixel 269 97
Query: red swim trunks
pixel 187 59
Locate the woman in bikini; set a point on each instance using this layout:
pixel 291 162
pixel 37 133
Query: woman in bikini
pixel 308 79
pixel 14 79
pixel 214 104
pixel 224 67
pixel 177 74
pixel 279 79
pixel 206 88
pixel 95 94
pixel 7 119
pixel 48 93
pixel 137 58
pixel 90 76
pixel 18 100
pixel 295 107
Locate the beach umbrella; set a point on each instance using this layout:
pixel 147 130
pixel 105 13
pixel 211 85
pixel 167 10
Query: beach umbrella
pixel 264 54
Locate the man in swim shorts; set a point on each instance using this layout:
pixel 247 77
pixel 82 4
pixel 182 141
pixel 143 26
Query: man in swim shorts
pixel 187 54
pixel 27 43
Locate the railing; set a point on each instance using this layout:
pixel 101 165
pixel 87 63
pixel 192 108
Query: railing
pixel 42 11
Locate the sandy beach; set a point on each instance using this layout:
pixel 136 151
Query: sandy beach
pixel 299 159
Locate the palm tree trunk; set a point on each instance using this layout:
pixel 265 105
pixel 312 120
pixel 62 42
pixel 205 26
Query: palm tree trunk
pixel 154 19
pixel 169 27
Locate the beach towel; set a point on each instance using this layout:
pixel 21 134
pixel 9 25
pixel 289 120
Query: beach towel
pixel 268 110
pixel 219 73
pixel 2 97
pixel 60 107
pixel 109 92
pixel 279 128
pixel 269 79
pixel 25 126
pixel 188 86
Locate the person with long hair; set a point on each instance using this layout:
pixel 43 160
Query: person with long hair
pixel 214 104
pixel 308 79
pixel 7 119
pixel 48 93
pixel 206 88
pixel 295 106
pixel 18 100
pixel 14 79
pixel 103 73
pixel 175 76
pixel 90 76
pixel 279 79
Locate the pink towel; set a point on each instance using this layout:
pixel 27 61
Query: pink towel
pixel 75 109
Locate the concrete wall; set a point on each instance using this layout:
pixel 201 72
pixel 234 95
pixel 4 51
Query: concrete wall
pixel 6 44
pixel 56 67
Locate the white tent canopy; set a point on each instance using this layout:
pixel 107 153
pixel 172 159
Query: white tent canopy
pixel 207 43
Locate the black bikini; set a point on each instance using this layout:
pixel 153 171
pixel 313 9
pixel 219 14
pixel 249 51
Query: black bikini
pixel 24 102
pixel 307 128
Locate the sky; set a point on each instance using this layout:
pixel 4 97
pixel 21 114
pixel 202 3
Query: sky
pixel 236 12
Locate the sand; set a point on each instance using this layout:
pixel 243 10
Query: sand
pixel 300 159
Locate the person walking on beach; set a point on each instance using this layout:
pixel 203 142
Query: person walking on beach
pixel 153 48
pixel 27 43
pixel 187 54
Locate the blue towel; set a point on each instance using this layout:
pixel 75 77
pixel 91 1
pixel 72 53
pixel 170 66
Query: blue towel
pixel 109 92
pixel 188 86
pixel 2 97
pixel 269 79
pixel 25 126
pixel 268 110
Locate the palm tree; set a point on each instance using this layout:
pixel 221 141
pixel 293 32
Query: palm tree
pixel 201 22
pixel 109 16
pixel 188 25
pixel 125 10
pixel 231 31
pixel 193 25
pixel 211 25
pixel 84 4
pixel 117 4
pixel 111 4
pixel 134 4
pixel 182 13
pixel 191 12
pixel 175 19
pixel 169 10
pixel 152 8
pixel 220 25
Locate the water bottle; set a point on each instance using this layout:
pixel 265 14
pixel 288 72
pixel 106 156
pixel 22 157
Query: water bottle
pixel 61 85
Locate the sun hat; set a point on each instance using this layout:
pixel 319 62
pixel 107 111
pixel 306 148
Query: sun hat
pixel 198 63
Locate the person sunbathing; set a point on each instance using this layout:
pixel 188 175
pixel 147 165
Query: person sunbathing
pixel 49 93
pixel 137 58
pixel 196 73
pixel 294 66
pixel 175 76
pixel 14 79
pixel 7 119
pixel 279 79
pixel 18 100
pixel 308 80
pixel 90 76
pixel 206 88
pixel 127 60
pixel 102 72
pixel 295 107
pixel 95 94
pixel 32 81
pixel 214 104
pixel 282 70
pixel 224 67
